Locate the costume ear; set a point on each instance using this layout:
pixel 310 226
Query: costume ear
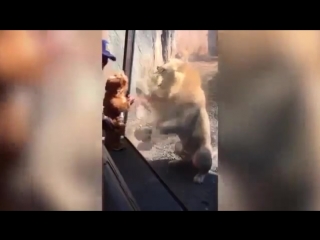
pixel 122 82
pixel 107 86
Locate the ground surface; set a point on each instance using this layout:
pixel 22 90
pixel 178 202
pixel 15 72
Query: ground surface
pixel 195 197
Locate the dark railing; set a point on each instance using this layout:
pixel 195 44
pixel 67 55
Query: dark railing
pixel 116 194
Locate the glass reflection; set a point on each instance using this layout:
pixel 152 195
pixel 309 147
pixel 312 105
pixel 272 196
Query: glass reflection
pixel 198 51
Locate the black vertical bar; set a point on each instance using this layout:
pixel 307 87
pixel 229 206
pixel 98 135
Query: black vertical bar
pixel 128 53
pixel 128 58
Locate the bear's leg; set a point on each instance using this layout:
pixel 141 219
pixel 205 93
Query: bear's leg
pixel 180 151
pixel 178 148
pixel 185 156
pixel 202 160
pixel 172 126
pixel 143 134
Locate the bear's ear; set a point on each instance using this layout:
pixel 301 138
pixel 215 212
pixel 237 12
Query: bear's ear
pixel 160 69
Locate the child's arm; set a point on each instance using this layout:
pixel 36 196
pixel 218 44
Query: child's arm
pixel 120 104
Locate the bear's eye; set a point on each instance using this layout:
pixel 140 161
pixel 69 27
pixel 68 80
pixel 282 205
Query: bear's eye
pixel 160 69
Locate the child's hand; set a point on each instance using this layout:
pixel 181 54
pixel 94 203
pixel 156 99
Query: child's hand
pixel 131 99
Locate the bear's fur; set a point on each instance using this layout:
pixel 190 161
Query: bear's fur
pixel 180 105
pixel 114 103
pixel 183 55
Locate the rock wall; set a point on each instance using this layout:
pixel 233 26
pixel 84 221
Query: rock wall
pixel 197 43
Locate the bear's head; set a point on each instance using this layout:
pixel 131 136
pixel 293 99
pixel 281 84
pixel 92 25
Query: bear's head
pixel 169 75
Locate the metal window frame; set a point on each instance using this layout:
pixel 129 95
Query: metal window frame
pixel 128 59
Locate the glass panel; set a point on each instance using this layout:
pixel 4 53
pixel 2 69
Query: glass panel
pixel 197 50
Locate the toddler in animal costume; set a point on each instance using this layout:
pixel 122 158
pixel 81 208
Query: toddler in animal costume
pixel 116 102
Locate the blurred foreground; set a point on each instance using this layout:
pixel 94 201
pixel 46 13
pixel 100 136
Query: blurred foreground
pixel 50 120
pixel 269 117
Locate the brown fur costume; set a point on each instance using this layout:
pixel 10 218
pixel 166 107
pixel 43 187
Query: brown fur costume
pixel 115 102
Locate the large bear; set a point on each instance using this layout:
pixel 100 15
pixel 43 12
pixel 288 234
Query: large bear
pixel 179 104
